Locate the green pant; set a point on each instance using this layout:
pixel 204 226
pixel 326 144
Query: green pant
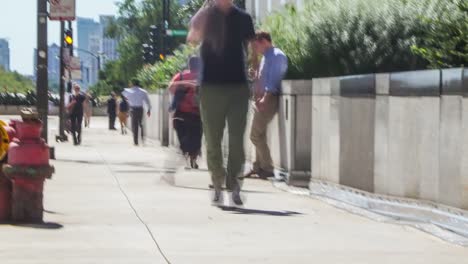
pixel 221 103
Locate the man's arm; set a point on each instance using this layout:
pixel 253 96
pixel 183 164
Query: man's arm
pixel 275 73
pixel 197 24
pixel 275 70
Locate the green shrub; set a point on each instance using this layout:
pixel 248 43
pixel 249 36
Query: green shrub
pixel 341 37
pixel 157 76
pixel 445 39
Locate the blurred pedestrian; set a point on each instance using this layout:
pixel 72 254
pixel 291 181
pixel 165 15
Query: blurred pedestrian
pixel 123 114
pixel 88 109
pixel 137 99
pixel 223 30
pixel 75 108
pixel 186 117
pixel 273 67
pixel 112 111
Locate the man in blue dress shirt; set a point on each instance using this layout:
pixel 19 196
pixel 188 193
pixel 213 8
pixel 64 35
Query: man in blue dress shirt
pixel 272 70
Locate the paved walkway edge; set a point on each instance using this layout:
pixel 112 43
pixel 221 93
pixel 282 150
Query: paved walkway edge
pixel 444 222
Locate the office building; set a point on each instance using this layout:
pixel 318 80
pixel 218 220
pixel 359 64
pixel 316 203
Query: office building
pixel 4 54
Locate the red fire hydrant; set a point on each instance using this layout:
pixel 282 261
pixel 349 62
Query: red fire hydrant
pixel 27 168
pixel 6 133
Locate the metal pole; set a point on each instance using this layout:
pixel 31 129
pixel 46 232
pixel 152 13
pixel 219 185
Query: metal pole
pixel 163 29
pixel 62 85
pixel 71 55
pixel 42 59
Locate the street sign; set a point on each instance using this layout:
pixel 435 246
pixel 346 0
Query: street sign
pixel 62 10
pixel 176 32
pixel 75 68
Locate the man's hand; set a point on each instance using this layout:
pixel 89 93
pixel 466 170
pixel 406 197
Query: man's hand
pixel 148 113
pixel 260 104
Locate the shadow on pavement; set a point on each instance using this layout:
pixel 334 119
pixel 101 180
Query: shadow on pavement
pixel 246 211
pixel 143 171
pixel 45 225
pixel 209 189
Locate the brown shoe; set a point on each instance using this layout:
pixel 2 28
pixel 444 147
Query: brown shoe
pixel 249 174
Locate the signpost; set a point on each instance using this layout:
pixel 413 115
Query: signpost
pixel 176 32
pixel 62 10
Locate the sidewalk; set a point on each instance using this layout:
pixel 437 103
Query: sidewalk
pixel 111 202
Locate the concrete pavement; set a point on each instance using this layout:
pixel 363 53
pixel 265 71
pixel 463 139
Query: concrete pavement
pixel 111 202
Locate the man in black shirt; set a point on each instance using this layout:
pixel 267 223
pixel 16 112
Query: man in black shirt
pixel 112 111
pixel 224 31
pixel 75 108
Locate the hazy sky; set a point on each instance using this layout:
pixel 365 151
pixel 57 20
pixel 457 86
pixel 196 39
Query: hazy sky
pixel 18 25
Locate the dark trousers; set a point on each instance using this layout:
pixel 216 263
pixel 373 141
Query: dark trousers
pixel 137 123
pixel 188 127
pixel 76 121
pixel 112 117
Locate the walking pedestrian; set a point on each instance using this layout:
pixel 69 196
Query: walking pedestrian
pixel 137 99
pixel 75 108
pixel 88 109
pixel 112 111
pixel 273 67
pixel 223 30
pixel 123 114
pixel 186 117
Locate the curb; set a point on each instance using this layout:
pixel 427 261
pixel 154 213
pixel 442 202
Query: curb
pixel 447 223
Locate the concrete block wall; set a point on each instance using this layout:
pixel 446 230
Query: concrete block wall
pixel 397 134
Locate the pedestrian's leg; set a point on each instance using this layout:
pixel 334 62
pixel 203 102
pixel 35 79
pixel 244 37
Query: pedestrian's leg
pixel 73 120
pixel 135 126
pixel 113 121
pixel 258 136
pixel 140 122
pixel 237 119
pixel 214 105
pixel 79 124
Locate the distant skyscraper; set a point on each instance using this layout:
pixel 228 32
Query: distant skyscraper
pixel 5 54
pixel 53 65
pixel 89 31
pixel 109 45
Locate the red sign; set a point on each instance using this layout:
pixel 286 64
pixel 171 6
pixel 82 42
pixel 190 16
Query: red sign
pixel 62 10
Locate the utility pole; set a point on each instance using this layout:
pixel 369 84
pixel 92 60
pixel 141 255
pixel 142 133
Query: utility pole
pixel 165 25
pixel 70 88
pixel 62 135
pixel 42 59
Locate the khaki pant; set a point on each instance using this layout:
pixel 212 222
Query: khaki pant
pixel 258 134
pixel 221 104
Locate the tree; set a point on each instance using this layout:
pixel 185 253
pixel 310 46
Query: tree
pixel 445 39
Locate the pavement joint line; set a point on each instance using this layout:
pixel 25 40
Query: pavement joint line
pixel 160 251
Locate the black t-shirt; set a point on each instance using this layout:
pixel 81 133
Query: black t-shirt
pixel 111 106
pixel 123 107
pixel 228 65
pixel 78 107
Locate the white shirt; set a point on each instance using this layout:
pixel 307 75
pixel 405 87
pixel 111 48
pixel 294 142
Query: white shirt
pixel 137 97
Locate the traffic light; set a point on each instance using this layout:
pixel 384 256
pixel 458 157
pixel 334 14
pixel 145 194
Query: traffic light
pixel 155 42
pixel 68 38
pixel 148 55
